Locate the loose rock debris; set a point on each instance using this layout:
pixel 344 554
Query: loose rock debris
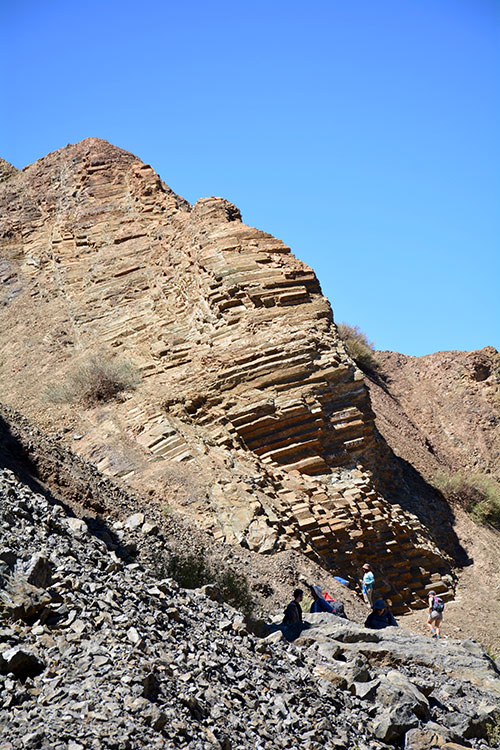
pixel 98 653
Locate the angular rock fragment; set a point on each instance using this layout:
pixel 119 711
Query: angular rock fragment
pixel 20 662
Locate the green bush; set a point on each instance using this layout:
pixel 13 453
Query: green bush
pixel 236 591
pixel 191 571
pixel 96 379
pixel 359 348
pixel 493 730
pixel 476 493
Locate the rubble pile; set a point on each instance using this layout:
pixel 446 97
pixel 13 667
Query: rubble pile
pixel 95 652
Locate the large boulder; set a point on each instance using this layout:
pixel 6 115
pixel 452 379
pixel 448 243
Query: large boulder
pixel 20 662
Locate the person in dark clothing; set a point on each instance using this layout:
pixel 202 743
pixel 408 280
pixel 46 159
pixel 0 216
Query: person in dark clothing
pixel 292 624
pixel 293 613
pixel 380 616
pixel 319 603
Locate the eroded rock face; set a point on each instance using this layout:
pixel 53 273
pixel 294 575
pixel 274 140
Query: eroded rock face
pixel 246 390
pixel 217 314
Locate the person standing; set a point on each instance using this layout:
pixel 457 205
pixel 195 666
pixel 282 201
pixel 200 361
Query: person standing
pixel 367 583
pixel 436 607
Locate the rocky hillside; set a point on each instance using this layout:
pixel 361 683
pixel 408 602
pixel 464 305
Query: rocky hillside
pixel 441 412
pixel 98 652
pixel 246 413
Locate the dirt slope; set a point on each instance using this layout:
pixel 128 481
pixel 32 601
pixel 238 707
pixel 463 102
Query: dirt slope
pixel 441 414
pixel 442 411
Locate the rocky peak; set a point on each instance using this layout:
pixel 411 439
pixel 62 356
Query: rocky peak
pixel 6 170
pixel 245 391
pixel 216 210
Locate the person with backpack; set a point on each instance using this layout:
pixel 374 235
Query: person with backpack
pixel 293 612
pixel 320 604
pixel 292 624
pixel 436 608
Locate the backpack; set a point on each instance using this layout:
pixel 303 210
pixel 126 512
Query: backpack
pixel 437 604
pixel 338 608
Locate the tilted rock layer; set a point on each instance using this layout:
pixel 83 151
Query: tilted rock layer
pixel 247 400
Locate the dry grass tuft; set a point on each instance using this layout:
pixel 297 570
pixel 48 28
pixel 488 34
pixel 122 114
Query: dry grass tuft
pixel 96 379
pixel 478 494
pixel 359 348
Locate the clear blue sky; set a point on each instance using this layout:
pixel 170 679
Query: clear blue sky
pixel 364 133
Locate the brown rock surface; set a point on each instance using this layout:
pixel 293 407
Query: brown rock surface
pixel 249 416
pixel 441 412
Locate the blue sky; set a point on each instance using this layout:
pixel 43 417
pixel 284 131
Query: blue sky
pixel 363 133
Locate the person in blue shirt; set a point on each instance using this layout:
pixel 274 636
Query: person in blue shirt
pixel 367 584
pixel 319 604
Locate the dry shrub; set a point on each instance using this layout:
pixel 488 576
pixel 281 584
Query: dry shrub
pixel 98 378
pixel 359 348
pixel 476 493
pixel 193 570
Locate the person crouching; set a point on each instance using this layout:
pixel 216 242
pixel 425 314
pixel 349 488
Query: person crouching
pixel 380 616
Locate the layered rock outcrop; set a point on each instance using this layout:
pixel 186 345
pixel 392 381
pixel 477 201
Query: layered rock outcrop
pixel 247 398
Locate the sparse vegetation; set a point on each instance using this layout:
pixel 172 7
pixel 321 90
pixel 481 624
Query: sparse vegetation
pixel 358 346
pixel 191 571
pixel 492 654
pixel 235 591
pixel 96 379
pixel 493 730
pixel 476 493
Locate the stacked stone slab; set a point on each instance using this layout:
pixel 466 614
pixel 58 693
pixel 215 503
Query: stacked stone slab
pixel 351 523
pixel 242 371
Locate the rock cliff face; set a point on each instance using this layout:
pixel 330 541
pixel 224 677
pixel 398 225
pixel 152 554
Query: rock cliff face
pixel 249 413
pixel 216 314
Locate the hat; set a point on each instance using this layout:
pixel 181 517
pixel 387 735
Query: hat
pixel 432 593
pixel 366 566
pixel 379 604
pixel 317 590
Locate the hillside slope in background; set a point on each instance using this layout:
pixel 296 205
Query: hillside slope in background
pixel 441 415
pixel 442 411
pixel 247 416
